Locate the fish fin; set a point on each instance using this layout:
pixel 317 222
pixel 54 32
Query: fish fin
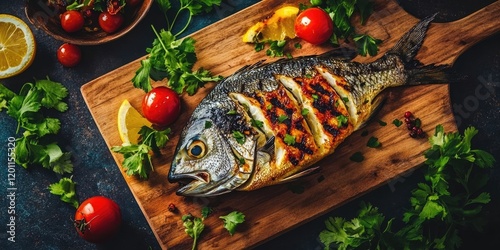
pixel 430 74
pixel 409 45
pixel 300 174
pixel 407 48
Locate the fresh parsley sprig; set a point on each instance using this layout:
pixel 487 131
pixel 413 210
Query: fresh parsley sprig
pixel 449 200
pixel 36 145
pixel 138 157
pixel 172 58
pixel 65 188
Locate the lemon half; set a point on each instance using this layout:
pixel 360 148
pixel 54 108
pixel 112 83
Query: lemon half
pixel 279 26
pixel 130 121
pixel 17 46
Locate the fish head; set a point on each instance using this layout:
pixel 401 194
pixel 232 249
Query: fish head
pixel 209 159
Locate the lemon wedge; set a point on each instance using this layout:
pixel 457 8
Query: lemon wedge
pixel 130 121
pixel 17 46
pixel 279 26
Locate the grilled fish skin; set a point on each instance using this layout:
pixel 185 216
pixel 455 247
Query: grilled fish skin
pixel 268 123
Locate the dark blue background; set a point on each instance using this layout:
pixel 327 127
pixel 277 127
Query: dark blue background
pixel 44 222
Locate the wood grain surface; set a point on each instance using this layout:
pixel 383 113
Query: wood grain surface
pixel 269 211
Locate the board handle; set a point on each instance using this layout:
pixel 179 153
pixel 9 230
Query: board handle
pixel 453 38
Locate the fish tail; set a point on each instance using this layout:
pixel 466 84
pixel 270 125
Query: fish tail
pixel 407 48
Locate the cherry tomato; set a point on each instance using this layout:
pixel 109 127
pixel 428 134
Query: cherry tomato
pixel 161 106
pixel 72 21
pixel 314 25
pixel 97 219
pixel 69 55
pixel 110 22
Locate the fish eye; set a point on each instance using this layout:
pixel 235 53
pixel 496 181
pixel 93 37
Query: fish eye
pixel 196 149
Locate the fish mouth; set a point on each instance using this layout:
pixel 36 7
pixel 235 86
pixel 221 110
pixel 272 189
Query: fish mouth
pixel 197 184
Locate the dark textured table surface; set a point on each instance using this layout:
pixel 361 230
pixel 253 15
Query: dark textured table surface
pixel 44 222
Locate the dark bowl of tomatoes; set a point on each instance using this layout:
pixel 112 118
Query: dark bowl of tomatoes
pixel 86 22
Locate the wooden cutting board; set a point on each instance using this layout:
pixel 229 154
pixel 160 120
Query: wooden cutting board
pixel 274 210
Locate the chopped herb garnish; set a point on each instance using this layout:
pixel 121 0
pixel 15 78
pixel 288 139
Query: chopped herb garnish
pixel 382 123
pixel 298 46
pixel 397 122
pixel 289 139
pixel 304 112
pixel 241 160
pixel 206 211
pixel 345 99
pixel 282 118
pixel 342 120
pixel 232 112
pixel 208 124
pixel 314 96
pixel 269 106
pixel 257 123
pixel 259 47
pixel 357 157
pixel 373 142
pixel 276 48
pixel 239 137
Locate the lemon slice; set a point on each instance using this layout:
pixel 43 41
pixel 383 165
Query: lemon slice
pixel 130 121
pixel 279 26
pixel 17 46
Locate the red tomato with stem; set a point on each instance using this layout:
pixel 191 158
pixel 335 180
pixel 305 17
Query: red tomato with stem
pixel 110 22
pixel 314 25
pixel 69 55
pixel 72 21
pixel 97 219
pixel 161 106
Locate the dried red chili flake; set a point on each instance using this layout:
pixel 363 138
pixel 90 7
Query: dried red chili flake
pixel 172 208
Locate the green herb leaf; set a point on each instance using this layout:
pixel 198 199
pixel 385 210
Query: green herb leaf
pixel 342 120
pixel 367 44
pixel 357 157
pixel 208 124
pixel 239 137
pixel 289 139
pixel 397 122
pixel 373 142
pixel 232 220
pixel 65 188
pixel 193 226
pixel 276 48
pixel 257 123
pixel 206 211
pixel 382 123
pixel 282 118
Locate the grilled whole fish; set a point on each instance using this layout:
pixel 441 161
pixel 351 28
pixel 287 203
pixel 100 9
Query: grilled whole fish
pixel 269 123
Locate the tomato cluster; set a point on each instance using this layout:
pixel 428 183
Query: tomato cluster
pixel 75 18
